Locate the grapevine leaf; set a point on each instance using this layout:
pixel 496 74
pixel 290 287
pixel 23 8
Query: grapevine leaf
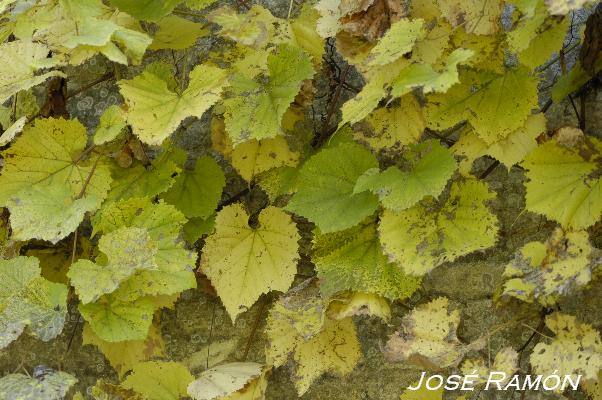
pixel 27 299
pixel 564 182
pixel 44 182
pixel 47 385
pixel 142 182
pixel 255 28
pixel 223 380
pixel 47 211
pixel 575 350
pixel 199 4
pixel 254 157
pixel 155 111
pixel 427 335
pixel 398 40
pixel 112 123
pixel 420 238
pixel 296 329
pixel 243 262
pixel 326 182
pixel 9 134
pixel 148 10
pixel 159 380
pixel 124 355
pixel 176 33
pixel 397 125
pixel 431 166
pixel 163 224
pixel 255 110
pixel 537 35
pixel 365 101
pixel 23 60
pixel 423 75
pixel 127 250
pixel 509 151
pixel 478 16
pixel 563 7
pixel 196 193
pixel 506 361
pixel 423 393
pixel 349 304
pixel 279 181
pixel 545 271
pixel 113 320
pixel 353 260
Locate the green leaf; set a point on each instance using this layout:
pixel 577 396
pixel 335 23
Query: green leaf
pixel 46 384
pixel 196 193
pixel 176 33
pixel 197 227
pixel 27 299
pixel 427 235
pixel 254 109
pixel 45 183
pixel 159 380
pixel 243 262
pixel 564 182
pixel 142 182
pixel 127 251
pixel 325 188
pixel 115 321
pixel 353 260
pixel 398 40
pixel 430 167
pixel 499 105
pixel 148 10
pixel 423 75
pixel 123 356
pixel 22 60
pixel 163 223
pixel 155 111
pixel 112 123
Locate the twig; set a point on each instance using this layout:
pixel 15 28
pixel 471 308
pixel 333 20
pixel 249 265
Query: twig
pixel 489 170
pixel 290 9
pixel 104 78
pixel 332 108
pixel 254 330
pixel 210 333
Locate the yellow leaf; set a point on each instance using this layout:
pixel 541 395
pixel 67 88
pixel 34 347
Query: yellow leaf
pixel 253 157
pixel 244 262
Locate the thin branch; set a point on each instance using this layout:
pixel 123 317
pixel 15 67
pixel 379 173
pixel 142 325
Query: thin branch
pixel 106 77
pixel 263 302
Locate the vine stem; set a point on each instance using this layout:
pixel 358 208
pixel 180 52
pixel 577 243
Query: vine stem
pixel 254 329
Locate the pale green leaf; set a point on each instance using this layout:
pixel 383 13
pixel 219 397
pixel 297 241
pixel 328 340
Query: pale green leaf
pixel 398 40
pixel 564 182
pixel 148 10
pixel 425 236
pixel 155 111
pixel 45 181
pixel 243 262
pixel 353 260
pixel 159 380
pixel 22 60
pixel 430 166
pixel 112 123
pixel 115 321
pixel 127 251
pixel 255 107
pixel 223 380
pixel 45 384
